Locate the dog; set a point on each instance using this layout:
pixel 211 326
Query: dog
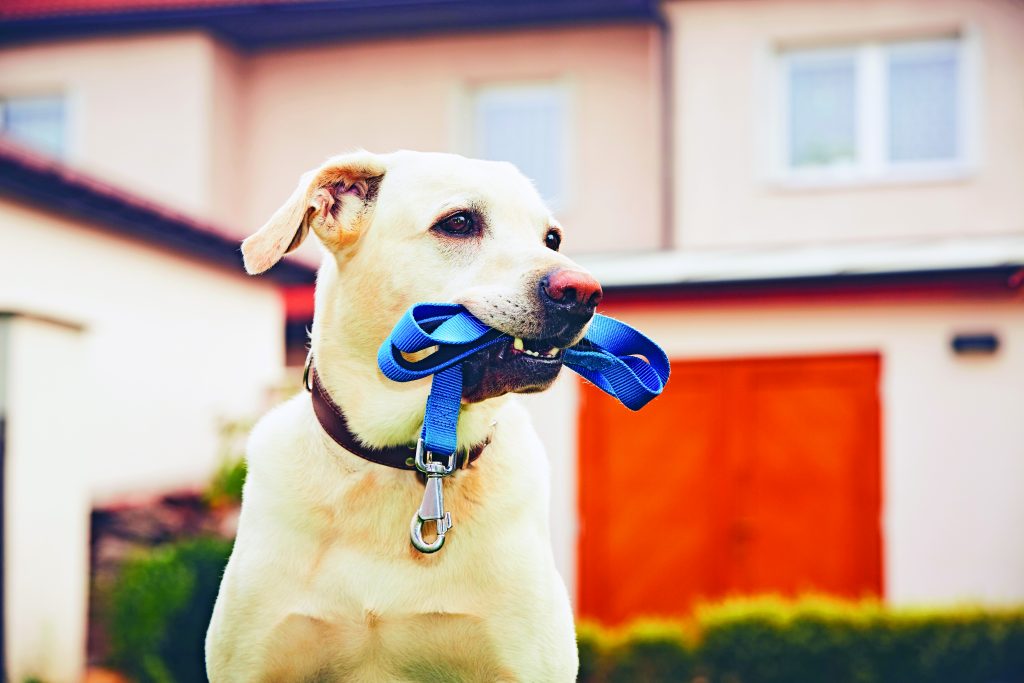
pixel 323 583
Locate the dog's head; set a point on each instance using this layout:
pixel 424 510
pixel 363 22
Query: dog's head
pixel 408 227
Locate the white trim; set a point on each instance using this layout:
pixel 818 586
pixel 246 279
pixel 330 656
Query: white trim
pixel 734 265
pixel 872 123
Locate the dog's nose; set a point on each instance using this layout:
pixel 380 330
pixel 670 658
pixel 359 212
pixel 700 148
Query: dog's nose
pixel 571 290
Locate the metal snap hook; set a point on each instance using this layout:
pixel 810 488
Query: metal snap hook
pixel 432 507
pixel 416 533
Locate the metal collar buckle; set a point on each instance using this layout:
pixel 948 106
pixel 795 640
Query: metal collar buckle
pixel 307 384
pixel 432 507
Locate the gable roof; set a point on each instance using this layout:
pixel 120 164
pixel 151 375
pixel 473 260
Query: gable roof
pixel 53 187
pixel 264 24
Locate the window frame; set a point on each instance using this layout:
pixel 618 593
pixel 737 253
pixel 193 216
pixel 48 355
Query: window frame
pixel 872 164
pixel 563 94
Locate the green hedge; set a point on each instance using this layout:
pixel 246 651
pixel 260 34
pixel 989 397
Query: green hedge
pixel 158 610
pixel 813 640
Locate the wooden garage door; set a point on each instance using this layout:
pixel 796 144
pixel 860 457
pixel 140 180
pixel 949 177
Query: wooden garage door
pixel 746 476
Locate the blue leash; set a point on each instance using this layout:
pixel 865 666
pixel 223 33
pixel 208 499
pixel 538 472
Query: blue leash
pixel 618 359
pixel 608 356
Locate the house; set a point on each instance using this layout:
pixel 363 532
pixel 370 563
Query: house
pixel 815 207
pixel 127 333
pixel 843 305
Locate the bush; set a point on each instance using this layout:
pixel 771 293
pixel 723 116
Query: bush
pixel 592 643
pixel 814 640
pixel 158 610
pixel 225 488
pixel 650 651
pixel 644 651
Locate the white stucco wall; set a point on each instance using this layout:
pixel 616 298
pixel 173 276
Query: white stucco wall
pixel 724 86
pixel 191 122
pixel 555 417
pixel 46 535
pixel 122 359
pixel 171 345
pixel 953 427
pixel 144 112
pixel 302 105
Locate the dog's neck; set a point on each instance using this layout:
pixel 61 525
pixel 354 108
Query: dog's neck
pixel 379 412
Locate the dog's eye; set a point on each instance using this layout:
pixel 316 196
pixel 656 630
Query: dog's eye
pixel 553 240
pixel 460 223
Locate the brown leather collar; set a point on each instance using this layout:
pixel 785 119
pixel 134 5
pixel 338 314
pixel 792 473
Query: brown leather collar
pixel 334 423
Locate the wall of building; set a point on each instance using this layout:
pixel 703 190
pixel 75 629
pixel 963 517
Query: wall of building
pixel 191 123
pixel 171 346
pixel 724 85
pixel 555 417
pixel 226 142
pixel 304 105
pixel 140 109
pixel 953 440
pixel 161 349
pixel 46 534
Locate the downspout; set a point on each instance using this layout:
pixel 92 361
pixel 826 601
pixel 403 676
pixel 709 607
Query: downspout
pixel 667 133
pixel 5 324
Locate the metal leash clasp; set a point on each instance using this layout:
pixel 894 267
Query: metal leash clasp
pixel 432 507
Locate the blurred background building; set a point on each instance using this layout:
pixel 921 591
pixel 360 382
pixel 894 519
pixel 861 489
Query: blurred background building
pixel 816 206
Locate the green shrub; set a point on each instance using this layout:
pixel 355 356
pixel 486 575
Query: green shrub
pixel 158 610
pixel 226 486
pixel 650 651
pixel 768 641
pixel 591 642
pixel 813 640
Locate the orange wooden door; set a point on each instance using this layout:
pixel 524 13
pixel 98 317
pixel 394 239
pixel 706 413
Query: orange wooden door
pixel 747 476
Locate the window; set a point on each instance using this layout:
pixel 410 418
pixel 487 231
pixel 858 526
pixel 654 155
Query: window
pixel 924 81
pixel 822 110
pixel 874 111
pixel 36 122
pixel 527 126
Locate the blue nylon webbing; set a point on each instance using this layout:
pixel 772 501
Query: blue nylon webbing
pixel 618 359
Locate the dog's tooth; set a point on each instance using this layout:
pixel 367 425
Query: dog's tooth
pixel 517 344
pixel 553 352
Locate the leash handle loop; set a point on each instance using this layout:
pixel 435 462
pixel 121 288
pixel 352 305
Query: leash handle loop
pixel 615 357
pixel 447 326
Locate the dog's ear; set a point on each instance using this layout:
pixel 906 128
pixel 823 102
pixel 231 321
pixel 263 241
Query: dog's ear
pixel 334 200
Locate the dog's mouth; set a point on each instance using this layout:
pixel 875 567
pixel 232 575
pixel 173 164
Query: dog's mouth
pixel 519 365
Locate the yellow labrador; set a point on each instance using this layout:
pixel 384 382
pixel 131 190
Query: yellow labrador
pixel 323 584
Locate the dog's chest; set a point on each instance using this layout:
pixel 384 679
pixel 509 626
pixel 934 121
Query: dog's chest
pixel 392 647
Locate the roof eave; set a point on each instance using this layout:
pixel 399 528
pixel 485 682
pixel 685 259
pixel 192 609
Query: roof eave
pixel 1003 280
pixel 55 189
pixel 265 26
